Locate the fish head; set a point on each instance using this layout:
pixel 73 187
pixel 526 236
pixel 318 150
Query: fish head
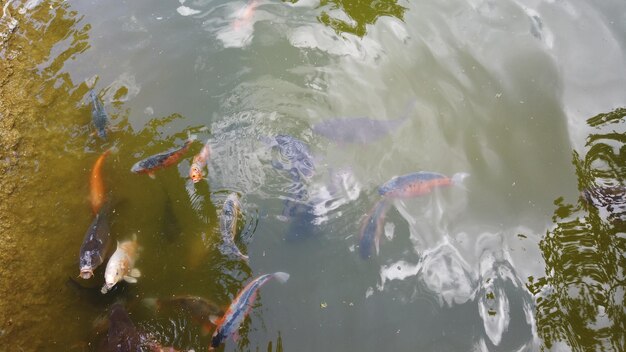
pixel 86 273
pixel 218 338
pixel 137 168
pixel 195 173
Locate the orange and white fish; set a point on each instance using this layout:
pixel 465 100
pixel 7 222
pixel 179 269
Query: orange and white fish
pixel 240 307
pixel 96 183
pixel 418 184
pixel 199 162
pixel 245 14
pixel 162 160
pixel 121 265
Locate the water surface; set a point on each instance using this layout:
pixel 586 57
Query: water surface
pixel 527 255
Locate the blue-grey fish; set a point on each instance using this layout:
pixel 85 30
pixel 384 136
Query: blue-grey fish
pixel 297 154
pixel 228 226
pixel 360 130
pixel 99 115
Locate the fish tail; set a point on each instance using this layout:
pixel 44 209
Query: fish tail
pixel 457 179
pixel 91 81
pixel 281 276
pixel 113 149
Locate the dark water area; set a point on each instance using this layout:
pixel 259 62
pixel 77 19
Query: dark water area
pixel 526 254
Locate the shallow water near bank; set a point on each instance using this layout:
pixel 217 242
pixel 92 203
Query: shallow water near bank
pixel 526 254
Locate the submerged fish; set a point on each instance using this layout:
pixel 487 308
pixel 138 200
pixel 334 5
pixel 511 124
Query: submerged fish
pixel 418 183
pixel 96 184
pixel 245 14
pixel 360 130
pixel 121 265
pixel 122 334
pixel 162 160
pixel 228 226
pixel 99 115
pixel 372 229
pixel 201 310
pixel 297 154
pixel 96 244
pixel 240 307
pixel 199 162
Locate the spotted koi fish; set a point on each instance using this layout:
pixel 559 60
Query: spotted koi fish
pixel 198 163
pixel 162 160
pixel 418 184
pixel 228 325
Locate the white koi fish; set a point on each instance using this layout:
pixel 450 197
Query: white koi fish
pixel 121 265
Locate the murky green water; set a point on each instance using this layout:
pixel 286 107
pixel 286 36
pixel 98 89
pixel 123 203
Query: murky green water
pixel 529 254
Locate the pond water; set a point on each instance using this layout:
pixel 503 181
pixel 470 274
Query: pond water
pixel 528 252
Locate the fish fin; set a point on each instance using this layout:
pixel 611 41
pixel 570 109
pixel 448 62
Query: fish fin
pixel 206 329
pixel 457 179
pixel 151 175
pixel 91 81
pixel 135 272
pixel 214 319
pixel 130 279
pixel 281 276
pixel 235 336
pixel 104 290
pixel 377 244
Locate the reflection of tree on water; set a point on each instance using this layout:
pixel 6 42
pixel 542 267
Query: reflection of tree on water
pixel 359 13
pixel 580 301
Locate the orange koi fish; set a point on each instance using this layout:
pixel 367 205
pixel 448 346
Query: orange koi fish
pixel 96 183
pixel 199 162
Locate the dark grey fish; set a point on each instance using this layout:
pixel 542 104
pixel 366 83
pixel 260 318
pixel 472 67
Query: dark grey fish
pixel 360 130
pixel 228 226
pixel 201 310
pixel 99 115
pixel 96 244
pixel 296 152
pixel 122 334
pixel 170 226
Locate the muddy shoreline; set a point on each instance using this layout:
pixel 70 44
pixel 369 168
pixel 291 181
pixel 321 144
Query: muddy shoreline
pixel 28 97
